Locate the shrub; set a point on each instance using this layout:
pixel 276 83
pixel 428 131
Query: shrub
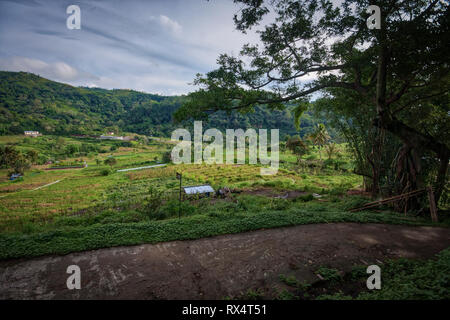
pixel 154 201
pixel 72 149
pixel 171 208
pixel 110 161
pixel 338 191
pixel 289 280
pixel 279 204
pixel 329 274
pixel 105 172
pixel 167 157
pixel 329 163
pixel 126 144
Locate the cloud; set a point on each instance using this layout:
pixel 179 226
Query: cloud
pixel 170 24
pixel 31 3
pixel 171 85
pixel 153 46
pixel 57 70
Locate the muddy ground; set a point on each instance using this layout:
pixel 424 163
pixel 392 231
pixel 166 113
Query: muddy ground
pixel 218 267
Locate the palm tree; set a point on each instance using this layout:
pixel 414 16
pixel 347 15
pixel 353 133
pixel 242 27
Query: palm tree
pixel 319 137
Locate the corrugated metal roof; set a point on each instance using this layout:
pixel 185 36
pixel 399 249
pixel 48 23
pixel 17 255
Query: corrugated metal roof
pixel 198 189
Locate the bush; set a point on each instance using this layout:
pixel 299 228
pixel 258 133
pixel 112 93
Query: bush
pixel 337 191
pixel 72 149
pixel 110 161
pixel 105 172
pixel 171 208
pixel 154 202
pixel 329 163
pixel 126 144
pixel 330 274
pixel 279 204
pixel 167 157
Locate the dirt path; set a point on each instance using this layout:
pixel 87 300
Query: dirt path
pixel 214 268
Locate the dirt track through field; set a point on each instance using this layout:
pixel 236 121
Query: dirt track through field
pixel 218 267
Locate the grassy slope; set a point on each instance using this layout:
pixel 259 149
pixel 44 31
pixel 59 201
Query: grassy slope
pixel 88 211
pixel 96 236
pixel 22 209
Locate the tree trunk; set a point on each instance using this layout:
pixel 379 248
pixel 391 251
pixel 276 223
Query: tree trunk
pixel 414 140
pixel 380 106
pixel 375 162
pixel 408 176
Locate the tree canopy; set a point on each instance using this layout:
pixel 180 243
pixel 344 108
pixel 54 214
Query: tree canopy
pixel 310 46
pixel 29 102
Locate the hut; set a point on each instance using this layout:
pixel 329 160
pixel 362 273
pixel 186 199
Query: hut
pixel 206 190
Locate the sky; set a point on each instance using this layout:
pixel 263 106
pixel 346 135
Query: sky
pixel 150 45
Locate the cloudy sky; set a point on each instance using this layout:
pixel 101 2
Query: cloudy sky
pixel 152 46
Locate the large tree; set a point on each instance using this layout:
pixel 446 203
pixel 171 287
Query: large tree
pixel 396 68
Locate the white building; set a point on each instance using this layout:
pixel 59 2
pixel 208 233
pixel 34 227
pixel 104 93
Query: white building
pixel 111 138
pixel 32 133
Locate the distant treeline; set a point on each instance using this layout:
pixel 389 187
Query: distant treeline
pixel 30 102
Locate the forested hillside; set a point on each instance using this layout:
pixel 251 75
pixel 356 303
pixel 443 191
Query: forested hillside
pixel 30 102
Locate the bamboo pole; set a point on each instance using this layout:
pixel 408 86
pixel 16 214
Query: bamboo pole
pixel 388 200
pixel 398 196
pixel 433 209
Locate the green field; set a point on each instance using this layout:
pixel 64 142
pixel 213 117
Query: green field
pixel 59 211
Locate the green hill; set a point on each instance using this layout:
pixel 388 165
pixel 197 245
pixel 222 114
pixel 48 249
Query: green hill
pixel 30 102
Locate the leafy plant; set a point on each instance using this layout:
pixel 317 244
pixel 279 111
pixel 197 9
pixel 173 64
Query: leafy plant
pixel 329 274
pixel 110 161
pixel 105 172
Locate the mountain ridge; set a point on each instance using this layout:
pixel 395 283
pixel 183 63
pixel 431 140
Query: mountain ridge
pixel 31 102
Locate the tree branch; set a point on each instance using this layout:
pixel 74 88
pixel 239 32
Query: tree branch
pixel 345 85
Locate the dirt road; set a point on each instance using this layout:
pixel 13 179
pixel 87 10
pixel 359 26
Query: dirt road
pixel 214 268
